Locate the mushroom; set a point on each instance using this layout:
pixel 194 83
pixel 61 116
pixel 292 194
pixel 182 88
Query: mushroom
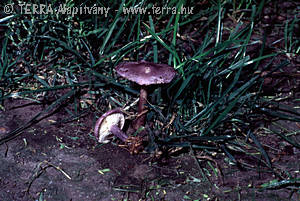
pixel 112 122
pixel 145 73
pixel 109 123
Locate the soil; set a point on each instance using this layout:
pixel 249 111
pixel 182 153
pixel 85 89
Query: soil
pixel 64 163
pixel 50 161
pixel 61 160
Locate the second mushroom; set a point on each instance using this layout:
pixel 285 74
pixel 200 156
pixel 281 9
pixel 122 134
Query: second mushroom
pixel 145 73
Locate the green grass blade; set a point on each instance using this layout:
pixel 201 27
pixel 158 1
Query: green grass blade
pixel 182 87
pixel 15 133
pixel 174 53
pixel 112 28
pixel 155 53
pixel 262 150
pixel 63 44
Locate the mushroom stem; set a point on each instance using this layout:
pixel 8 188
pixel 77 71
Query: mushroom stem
pixel 140 121
pixel 118 133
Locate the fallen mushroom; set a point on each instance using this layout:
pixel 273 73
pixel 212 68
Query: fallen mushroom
pixel 145 73
pixel 109 123
pixel 112 122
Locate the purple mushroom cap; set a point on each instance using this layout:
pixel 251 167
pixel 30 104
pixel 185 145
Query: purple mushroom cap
pixel 146 73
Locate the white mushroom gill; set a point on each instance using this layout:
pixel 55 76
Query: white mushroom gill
pixel 117 119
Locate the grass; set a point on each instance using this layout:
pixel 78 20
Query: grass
pixel 211 103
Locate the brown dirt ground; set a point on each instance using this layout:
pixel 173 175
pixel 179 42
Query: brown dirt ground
pixel 63 162
pixel 52 160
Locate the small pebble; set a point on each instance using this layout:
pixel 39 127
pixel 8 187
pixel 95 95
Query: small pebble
pixel 281 18
pixel 3 130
